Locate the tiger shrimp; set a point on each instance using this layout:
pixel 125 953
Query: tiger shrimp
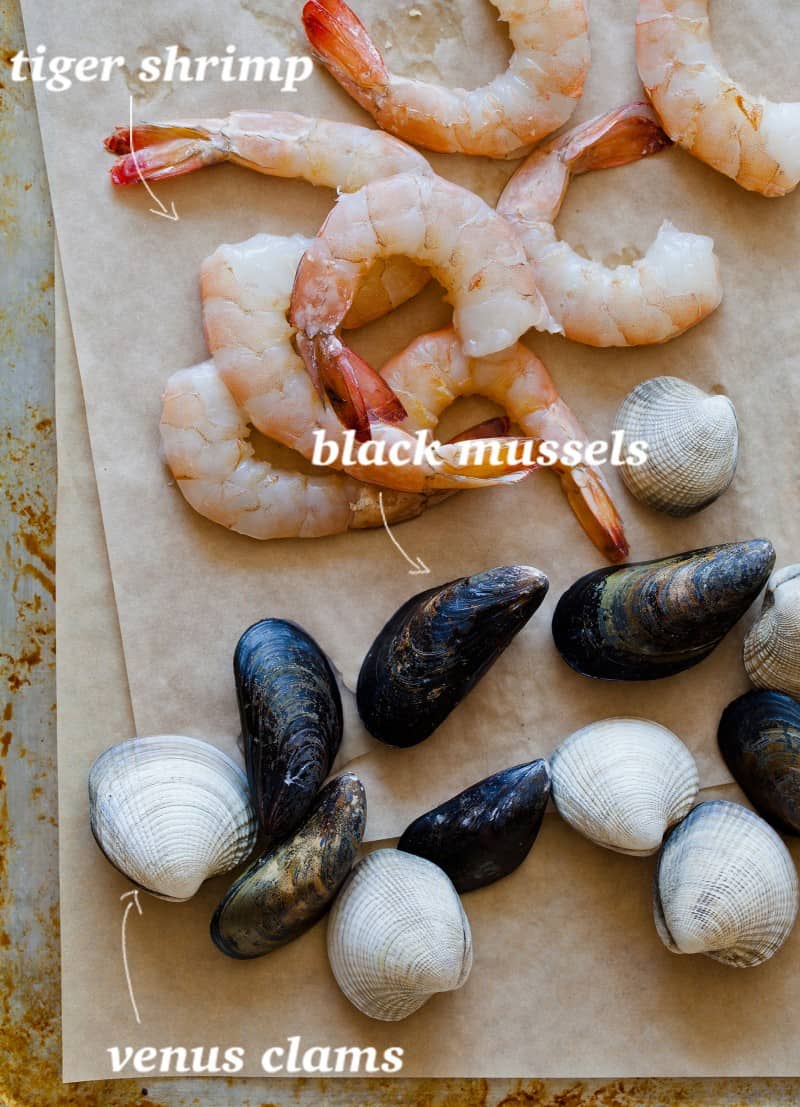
pixel 534 97
pixel 204 435
pixel 433 371
pixel 246 290
pixel 468 247
pixel 674 286
pixel 754 140
pixel 342 156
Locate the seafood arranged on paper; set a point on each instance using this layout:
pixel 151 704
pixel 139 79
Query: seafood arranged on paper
pixel 759 738
pixel 657 618
pixel 692 445
pixel 485 832
pixel 673 287
pixel 397 935
pixel 537 93
pixel 749 138
pixel 438 645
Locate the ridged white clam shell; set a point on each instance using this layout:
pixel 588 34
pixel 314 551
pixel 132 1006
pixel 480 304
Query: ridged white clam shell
pixel 397 935
pixel 725 886
pixel 772 648
pixel 693 444
pixel 623 782
pixel 169 812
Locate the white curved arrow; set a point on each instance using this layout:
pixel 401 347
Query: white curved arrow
pixel 161 209
pixel 128 907
pixel 418 566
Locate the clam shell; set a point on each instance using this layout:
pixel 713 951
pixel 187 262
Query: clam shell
pixel 169 812
pixel 725 886
pixel 397 935
pixel 291 715
pixel 623 782
pixel 772 648
pixel 486 831
pixel 289 888
pixel 438 645
pixel 693 444
pixel 656 618
pixel 759 738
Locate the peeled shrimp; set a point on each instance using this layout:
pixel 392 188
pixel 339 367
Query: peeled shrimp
pixel 433 371
pixel 467 246
pixel 246 290
pixel 204 435
pixel 282 144
pixel 535 95
pixel 674 286
pixel 749 138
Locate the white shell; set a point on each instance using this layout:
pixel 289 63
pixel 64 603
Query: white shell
pixel 397 935
pixel 169 812
pixel 772 648
pixel 693 444
pixel 623 782
pixel 725 886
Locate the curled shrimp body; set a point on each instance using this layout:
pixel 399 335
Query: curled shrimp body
pixel 246 290
pixel 674 286
pixel 433 371
pixel 537 93
pixel 749 138
pixel 204 436
pixel 467 246
pixel 341 156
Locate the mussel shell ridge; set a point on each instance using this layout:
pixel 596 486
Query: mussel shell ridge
pixel 437 646
pixel 759 738
pixel 485 832
pixel 291 716
pixel 289 888
pixel 655 618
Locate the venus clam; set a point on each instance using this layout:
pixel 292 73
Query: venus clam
pixel 397 935
pixel 772 648
pixel 291 715
pixel 692 444
pixel 759 738
pixel 656 618
pixel 725 886
pixel 623 782
pixel 486 831
pixel 437 646
pixel 290 887
pixel 169 812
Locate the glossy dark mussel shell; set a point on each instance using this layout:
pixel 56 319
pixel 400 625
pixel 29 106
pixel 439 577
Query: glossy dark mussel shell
pixel 289 888
pixel 437 646
pixel 291 715
pixel 656 618
pixel 485 832
pixel 759 738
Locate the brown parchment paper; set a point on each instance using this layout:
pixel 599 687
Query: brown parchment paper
pixel 185 589
pixel 569 976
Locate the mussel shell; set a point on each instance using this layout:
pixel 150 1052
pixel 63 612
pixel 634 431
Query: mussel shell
pixel 437 646
pixel 289 888
pixel 759 738
pixel 291 715
pixel 486 831
pixel 655 618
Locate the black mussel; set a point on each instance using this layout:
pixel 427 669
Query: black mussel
pixel 486 831
pixel 656 618
pixel 291 714
pixel 290 887
pixel 759 738
pixel 437 646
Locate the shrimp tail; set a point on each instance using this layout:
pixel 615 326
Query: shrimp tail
pixel 486 455
pixel 357 393
pixel 498 427
pixel 617 138
pixel 155 151
pixel 343 45
pixel 589 499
